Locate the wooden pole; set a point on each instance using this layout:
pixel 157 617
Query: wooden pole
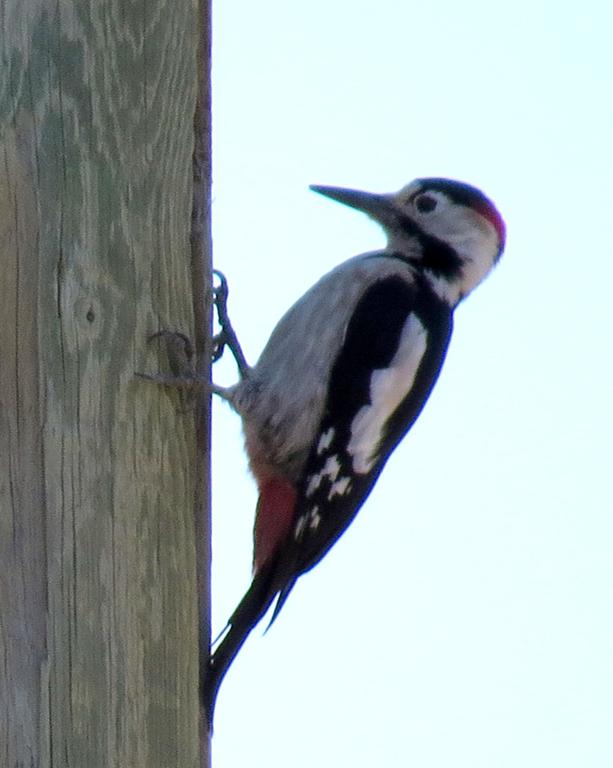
pixel 100 572
pixel 202 266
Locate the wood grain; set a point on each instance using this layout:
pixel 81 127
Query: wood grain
pixel 98 608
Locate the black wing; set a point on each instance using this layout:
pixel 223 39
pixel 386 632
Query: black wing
pixel 392 314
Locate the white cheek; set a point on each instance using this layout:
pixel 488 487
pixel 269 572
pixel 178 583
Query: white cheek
pixel 388 388
pixel 478 248
pixel 479 262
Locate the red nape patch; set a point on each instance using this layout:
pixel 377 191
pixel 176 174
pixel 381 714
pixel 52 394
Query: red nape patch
pixel 274 518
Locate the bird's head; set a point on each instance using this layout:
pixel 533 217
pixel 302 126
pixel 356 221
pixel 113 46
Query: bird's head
pixel 448 230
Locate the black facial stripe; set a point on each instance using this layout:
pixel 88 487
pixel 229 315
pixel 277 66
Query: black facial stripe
pixel 437 256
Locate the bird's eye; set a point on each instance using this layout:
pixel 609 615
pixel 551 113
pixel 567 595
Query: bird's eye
pixel 425 203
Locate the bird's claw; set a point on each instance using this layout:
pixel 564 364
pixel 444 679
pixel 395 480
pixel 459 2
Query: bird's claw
pixel 182 376
pixel 179 349
pixel 227 336
pixel 220 292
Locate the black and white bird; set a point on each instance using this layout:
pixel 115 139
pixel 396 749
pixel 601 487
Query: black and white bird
pixel 343 377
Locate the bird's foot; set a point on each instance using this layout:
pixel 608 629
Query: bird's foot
pixel 227 336
pixel 183 374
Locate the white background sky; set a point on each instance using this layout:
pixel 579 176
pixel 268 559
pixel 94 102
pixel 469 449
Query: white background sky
pixel 466 617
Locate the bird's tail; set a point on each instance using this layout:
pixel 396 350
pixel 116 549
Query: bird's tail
pixel 248 613
pixel 283 595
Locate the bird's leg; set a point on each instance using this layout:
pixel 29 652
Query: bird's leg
pixel 180 352
pixel 227 336
pixel 183 374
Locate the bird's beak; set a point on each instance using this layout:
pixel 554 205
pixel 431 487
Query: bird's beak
pixel 379 207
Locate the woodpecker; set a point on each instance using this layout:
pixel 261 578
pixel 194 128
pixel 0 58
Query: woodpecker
pixel 343 377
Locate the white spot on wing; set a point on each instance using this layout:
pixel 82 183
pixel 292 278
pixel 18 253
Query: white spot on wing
pixel 330 470
pixel 340 487
pixel 325 440
pixel 299 527
pixel 313 484
pixel 314 518
pixel 388 388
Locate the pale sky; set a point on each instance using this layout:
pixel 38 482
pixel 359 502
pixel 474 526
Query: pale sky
pixel 466 617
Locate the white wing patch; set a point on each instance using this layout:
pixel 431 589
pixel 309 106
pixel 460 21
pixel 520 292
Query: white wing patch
pixel 340 487
pixel 388 388
pixel 324 441
pixel 330 470
pixel 312 518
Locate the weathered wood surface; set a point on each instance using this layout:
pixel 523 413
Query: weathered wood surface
pixel 98 608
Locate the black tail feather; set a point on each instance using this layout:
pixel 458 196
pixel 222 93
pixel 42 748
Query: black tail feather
pixel 250 610
pixel 283 595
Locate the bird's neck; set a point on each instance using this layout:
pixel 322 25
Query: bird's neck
pixel 451 268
